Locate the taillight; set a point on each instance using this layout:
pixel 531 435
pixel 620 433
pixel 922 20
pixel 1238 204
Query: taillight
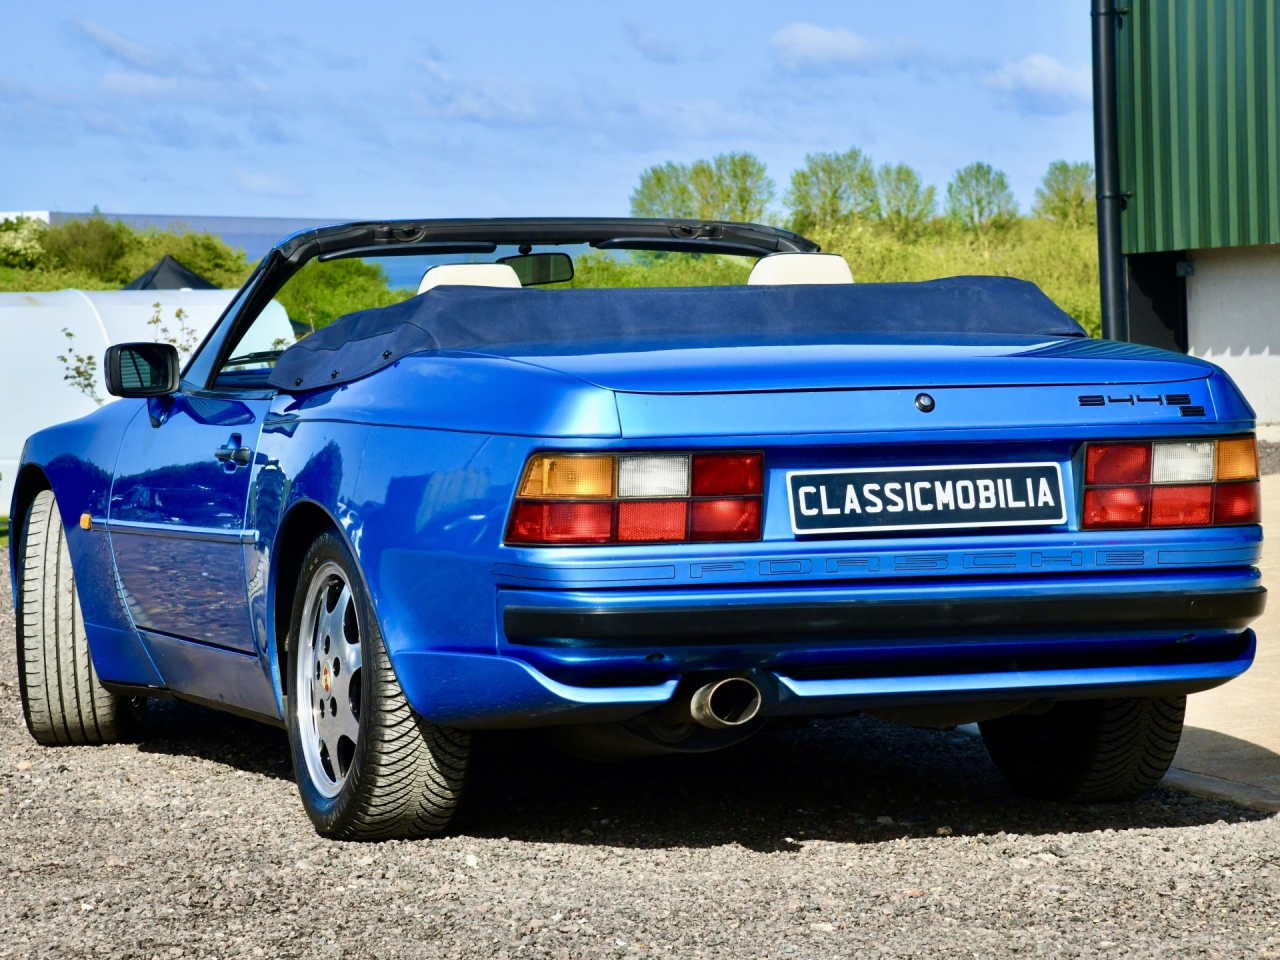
pixel 575 498
pixel 1195 483
pixel 1117 463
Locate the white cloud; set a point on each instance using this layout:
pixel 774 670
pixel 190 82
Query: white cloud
pixel 652 46
pixel 268 184
pixel 804 47
pixel 1040 84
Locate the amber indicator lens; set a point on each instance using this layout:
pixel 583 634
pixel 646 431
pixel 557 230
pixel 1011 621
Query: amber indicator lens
pixel 1238 459
pixel 1237 503
pixel 728 475
pixel 1118 463
pixel 1182 506
pixel 1115 507
pixel 568 476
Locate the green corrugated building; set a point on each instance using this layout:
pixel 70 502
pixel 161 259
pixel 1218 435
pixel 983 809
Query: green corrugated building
pixel 1198 141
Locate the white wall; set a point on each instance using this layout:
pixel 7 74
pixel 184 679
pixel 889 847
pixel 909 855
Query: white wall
pixel 33 393
pixel 1233 320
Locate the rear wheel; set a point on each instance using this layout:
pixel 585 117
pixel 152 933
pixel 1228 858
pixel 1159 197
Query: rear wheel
pixel 1088 751
pixel 367 766
pixel 63 700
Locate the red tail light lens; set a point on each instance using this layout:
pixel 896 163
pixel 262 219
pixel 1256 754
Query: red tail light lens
pixel 652 521
pixel 726 520
pixel 1113 507
pixel 533 522
pixel 1107 463
pixel 728 475
pixel 1182 506
pixel 1237 503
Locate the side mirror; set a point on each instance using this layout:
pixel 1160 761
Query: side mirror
pixel 142 369
pixel 537 268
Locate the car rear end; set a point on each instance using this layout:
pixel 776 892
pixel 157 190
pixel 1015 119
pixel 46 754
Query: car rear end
pixel 937 541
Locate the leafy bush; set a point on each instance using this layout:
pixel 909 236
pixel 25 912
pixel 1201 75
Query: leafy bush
pixel 101 254
pixel 1059 258
pixel 669 270
pixel 20 243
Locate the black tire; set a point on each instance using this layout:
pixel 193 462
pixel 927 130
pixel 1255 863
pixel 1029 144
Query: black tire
pixel 401 776
pixel 1088 751
pixel 63 701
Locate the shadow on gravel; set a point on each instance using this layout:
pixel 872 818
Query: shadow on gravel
pixel 183 729
pixel 850 780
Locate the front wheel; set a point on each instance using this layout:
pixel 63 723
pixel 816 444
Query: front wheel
pixel 1088 751
pixel 63 701
pixel 367 766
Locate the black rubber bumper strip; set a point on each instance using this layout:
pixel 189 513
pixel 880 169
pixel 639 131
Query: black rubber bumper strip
pixel 862 619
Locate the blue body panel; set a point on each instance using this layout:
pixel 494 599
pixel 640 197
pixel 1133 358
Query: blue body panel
pixel 416 466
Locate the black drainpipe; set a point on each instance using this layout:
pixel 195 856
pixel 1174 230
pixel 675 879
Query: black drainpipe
pixel 1111 267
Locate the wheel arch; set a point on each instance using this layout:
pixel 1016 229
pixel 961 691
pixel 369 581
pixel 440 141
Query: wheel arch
pixel 31 481
pixel 303 522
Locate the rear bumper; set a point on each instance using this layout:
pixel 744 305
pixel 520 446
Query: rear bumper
pixel 481 691
pixel 861 620
pixel 599 656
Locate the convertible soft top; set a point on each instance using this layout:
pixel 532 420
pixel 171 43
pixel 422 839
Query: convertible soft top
pixel 478 318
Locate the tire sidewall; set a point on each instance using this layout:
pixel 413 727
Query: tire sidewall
pixel 330 814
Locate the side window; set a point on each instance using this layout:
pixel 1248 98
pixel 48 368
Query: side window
pixel 254 357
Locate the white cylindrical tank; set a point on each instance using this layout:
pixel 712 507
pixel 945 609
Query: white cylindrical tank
pixel 33 388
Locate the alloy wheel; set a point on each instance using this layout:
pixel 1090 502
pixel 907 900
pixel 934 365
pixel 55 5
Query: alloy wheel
pixel 328 679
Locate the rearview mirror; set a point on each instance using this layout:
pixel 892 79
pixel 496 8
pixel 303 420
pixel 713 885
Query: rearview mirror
pixel 537 268
pixel 141 369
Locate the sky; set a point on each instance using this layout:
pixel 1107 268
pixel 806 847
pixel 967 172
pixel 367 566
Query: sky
pixel 430 109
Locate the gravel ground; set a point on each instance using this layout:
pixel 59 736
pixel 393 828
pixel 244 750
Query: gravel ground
pixel 854 838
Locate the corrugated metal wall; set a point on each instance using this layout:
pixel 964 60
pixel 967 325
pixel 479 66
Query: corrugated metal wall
pixel 1200 123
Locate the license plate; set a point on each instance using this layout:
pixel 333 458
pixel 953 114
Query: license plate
pixel 926 498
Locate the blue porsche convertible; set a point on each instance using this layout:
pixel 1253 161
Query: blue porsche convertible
pixel 646 520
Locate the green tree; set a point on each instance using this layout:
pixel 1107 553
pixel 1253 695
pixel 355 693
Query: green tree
pixel 979 199
pixel 664 192
pixel 1066 194
pixel 730 186
pixel 906 204
pixel 832 188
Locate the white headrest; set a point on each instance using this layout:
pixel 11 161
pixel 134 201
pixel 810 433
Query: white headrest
pixel 469 275
pixel 784 268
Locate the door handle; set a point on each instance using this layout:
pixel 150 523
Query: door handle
pixel 230 454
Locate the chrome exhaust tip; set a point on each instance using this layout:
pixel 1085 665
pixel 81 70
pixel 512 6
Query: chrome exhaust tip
pixel 726 703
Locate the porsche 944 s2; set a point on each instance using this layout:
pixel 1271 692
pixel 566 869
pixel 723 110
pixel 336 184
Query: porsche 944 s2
pixel 644 520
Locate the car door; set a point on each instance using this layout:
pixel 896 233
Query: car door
pixel 177 516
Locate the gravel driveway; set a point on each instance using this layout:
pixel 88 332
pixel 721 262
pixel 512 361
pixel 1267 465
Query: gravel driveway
pixel 845 839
